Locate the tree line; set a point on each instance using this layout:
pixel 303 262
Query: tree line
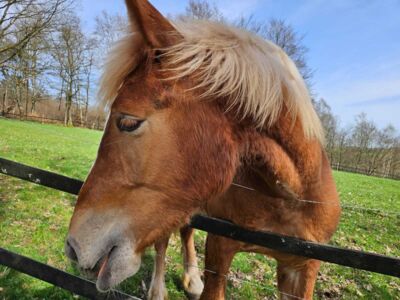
pixel 48 63
pixel 49 66
pixel 361 146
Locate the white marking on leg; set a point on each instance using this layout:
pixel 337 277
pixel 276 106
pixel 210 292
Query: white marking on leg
pixel 192 282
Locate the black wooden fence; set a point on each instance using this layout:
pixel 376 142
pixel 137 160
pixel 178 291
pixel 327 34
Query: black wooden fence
pixel 57 277
pixel 93 124
pixel 364 171
pixel 341 256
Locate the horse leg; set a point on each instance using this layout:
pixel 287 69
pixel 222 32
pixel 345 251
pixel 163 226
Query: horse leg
pixel 192 283
pixel 219 255
pixel 157 290
pixel 297 281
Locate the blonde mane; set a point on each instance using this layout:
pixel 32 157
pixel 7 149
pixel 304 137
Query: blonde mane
pixel 255 75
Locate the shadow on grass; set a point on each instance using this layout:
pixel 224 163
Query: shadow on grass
pixel 15 285
pixel 336 293
pixel 345 284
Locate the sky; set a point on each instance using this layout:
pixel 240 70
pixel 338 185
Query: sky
pixel 354 47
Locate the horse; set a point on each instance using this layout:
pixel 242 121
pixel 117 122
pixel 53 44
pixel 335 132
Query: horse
pixel 197 110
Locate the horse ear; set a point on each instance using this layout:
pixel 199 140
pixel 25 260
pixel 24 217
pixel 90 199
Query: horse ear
pixel 267 159
pixel 156 30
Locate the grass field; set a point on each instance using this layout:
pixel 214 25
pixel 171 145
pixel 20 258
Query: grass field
pixel 34 220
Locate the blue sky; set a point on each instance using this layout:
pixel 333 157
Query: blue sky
pixel 354 47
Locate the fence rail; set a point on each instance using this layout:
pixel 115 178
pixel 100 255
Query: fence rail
pixel 364 171
pixel 332 254
pixel 42 119
pixel 57 277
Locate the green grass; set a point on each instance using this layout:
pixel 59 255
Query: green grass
pixel 34 221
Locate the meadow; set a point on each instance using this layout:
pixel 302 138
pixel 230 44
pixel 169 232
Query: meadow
pixel 34 222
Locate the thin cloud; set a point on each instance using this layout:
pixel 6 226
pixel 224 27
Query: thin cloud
pixel 238 8
pixel 367 90
pixel 377 101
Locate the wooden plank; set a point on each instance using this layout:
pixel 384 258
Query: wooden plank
pixel 41 177
pixel 57 277
pixel 340 256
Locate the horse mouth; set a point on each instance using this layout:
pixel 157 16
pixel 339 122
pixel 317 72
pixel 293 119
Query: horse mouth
pixel 104 261
pixel 101 270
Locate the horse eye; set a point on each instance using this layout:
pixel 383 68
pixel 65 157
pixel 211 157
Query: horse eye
pixel 128 124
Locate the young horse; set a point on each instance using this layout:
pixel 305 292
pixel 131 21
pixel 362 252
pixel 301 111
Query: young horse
pixel 195 108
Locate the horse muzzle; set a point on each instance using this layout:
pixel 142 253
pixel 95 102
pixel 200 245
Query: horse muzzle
pixel 103 250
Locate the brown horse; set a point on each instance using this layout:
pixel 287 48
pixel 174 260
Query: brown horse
pixel 196 107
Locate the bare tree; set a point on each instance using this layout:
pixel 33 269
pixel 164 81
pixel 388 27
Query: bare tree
pixel 342 145
pixel 363 136
pixel 275 30
pixel 24 26
pixel 37 15
pixel 330 124
pixel 109 28
pixel 68 52
pixel 382 158
pixel 283 34
pixel 393 167
pixel 57 58
pixel 203 10
pixel 87 76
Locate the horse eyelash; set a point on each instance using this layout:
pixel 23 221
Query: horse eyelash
pixel 134 125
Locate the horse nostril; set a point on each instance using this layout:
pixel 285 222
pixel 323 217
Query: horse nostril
pixel 70 251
